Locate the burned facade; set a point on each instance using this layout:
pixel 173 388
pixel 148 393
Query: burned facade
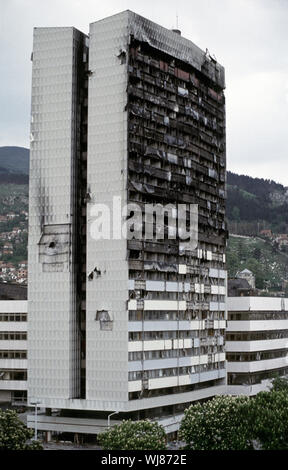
pixel 134 326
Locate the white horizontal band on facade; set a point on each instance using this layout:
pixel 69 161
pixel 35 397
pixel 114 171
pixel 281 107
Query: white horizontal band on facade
pixel 165 305
pixel 12 364
pixel 12 345
pixel 133 405
pixel 166 363
pixel 169 325
pixel 13 384
pixel 154 364
pixel 160 305
pixel 173 286
pixel 249 390
pixel 13 326
pixel 246 304
pixel 13 306
pixel 179 380
pixel 163 344
pixel 257 345
pixel 257 366
pixel 166 325
pixel 187 379
pixel 257 325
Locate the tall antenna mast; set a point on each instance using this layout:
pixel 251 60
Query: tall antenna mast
pixel 176 30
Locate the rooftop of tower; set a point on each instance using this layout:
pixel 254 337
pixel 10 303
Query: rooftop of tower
pixel 169 42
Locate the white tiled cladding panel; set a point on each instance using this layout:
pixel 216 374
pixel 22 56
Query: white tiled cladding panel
pixel 217 306
pixel 219 273
pixel 53 339
pixel 107 351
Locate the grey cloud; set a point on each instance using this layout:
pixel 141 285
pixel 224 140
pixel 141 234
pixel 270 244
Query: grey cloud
pixel 248 37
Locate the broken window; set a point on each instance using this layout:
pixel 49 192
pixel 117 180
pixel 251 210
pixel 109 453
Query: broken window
pixel 106 323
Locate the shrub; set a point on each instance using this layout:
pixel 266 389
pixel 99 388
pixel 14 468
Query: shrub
pixel 269 419
pixel 14 435
pixel 134 435
pixel 218 424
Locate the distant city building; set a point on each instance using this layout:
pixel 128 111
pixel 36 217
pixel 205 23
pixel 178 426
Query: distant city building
pixel 248 276
pixel 256 343
pixel 282 240
pixel 240 288
pixel 266 233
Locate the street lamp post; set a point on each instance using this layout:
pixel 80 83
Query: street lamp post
pixel 111 414
pixel 35 403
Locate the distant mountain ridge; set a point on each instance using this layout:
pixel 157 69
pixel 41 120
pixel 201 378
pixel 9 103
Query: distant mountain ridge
pixel 14 165
pixel 252 203
pixel 255 203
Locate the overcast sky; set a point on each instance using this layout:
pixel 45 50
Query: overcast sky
pixel 248 37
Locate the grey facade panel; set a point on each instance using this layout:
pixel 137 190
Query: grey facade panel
pixel 53 336
pixel 107 351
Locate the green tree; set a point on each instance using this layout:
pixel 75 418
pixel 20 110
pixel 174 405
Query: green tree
pixel 257 253
pixel 242 252
pixel 257 269
pixel 232 262
pixel 235 213
pixel 280 383
pixel 218 424
pixel 269 420
pixel 134 435
pixel 14 435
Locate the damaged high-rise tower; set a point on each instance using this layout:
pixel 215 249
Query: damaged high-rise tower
pixel 136 326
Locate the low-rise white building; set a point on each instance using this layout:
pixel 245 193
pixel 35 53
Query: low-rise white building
pixel 13 351
pixel 256 343
pixel 248 275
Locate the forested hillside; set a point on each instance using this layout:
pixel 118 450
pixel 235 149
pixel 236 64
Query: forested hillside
pixel 254 204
